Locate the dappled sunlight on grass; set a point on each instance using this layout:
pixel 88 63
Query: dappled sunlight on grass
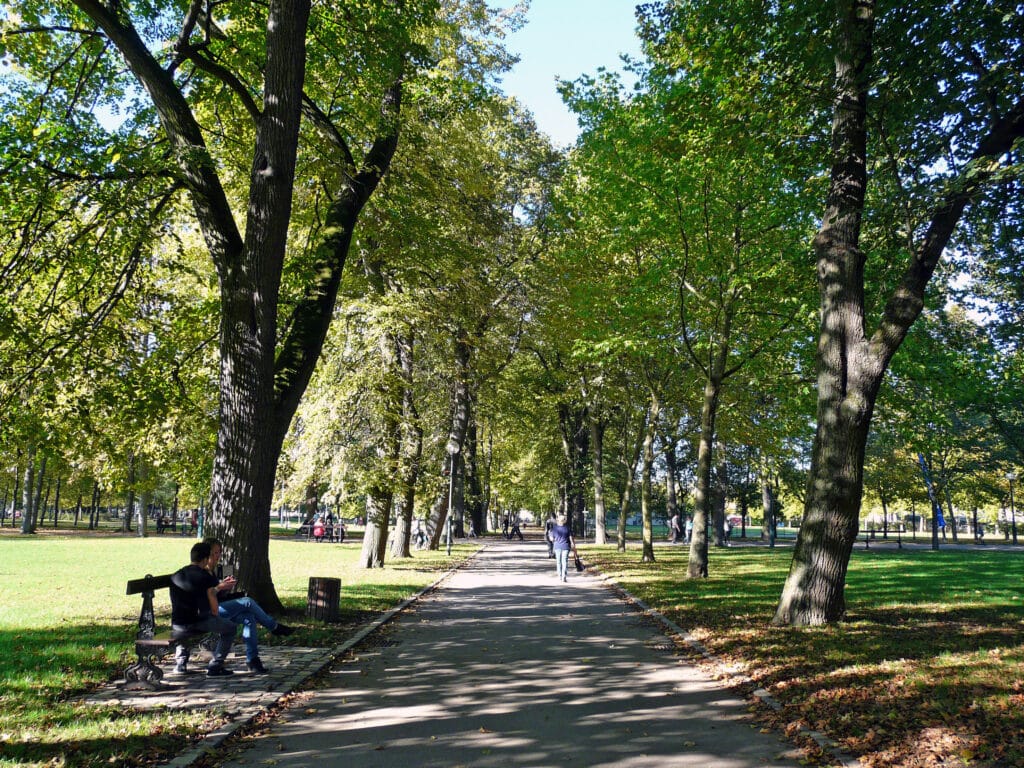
pixel 932 645
pixel 66 626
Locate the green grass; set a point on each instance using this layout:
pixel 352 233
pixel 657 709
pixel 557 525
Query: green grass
pixel 67 626
pixel 927 667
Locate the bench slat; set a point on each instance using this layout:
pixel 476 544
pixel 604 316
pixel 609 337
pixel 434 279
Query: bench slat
pixel 149 584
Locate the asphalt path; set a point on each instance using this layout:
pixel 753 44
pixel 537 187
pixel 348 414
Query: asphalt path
pixel 504 665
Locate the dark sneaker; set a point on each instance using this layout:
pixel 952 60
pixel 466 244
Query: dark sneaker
pixel 282 630
pixel 218 671
pixel 256 667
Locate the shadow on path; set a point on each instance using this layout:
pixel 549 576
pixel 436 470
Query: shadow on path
pixel 505 666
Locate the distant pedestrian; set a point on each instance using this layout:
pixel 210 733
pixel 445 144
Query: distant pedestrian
pixel 547 536
pixel 689 529
pixel 675 530
pixel 562 542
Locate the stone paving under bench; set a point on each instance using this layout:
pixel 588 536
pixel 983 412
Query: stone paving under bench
pixel 289 667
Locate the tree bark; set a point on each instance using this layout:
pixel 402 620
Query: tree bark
pixel 411 450
pixel 697 566
pixel 851 366
pixel 459 423
pixel 629 464
pixel 653 413
pixel 719 497
pixel 597 429
pixel 572 422
pixel 28 489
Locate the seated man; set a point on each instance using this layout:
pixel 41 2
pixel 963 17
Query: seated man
pixel 194 608
pixel 243 610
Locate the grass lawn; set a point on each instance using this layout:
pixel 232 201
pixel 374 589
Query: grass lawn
pixel 927 670
pixel 66 626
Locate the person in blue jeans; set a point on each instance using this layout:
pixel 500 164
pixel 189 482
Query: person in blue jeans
pixel 562 542
pixel 245 611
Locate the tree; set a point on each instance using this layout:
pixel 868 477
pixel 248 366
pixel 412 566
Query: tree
pixel 209 74
pixel 713 211
pixel 947 115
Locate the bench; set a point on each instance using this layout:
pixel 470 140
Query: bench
pixel 334 532
pixel 873 534
pixel 151 646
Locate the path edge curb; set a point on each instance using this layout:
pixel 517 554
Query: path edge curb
pixel 213 740
pixel 824 742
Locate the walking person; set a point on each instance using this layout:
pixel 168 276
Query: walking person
pixel 548 525
pixel 562 542
pixel 675 531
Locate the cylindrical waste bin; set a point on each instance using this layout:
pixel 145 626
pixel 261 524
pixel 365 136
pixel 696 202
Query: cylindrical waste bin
pixel 323 601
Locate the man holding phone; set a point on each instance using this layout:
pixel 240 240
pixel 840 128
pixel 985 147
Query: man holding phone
pixel 242 610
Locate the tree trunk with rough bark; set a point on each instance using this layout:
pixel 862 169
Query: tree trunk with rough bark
pixel 459 423
pixel 411 450
pixel 630 460
pixel 697 566
pixel 653 412
pixel 597 430
pixel 851 365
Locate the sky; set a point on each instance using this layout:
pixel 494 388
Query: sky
pixel 565 39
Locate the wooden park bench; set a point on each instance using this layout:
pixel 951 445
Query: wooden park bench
pixel 150 645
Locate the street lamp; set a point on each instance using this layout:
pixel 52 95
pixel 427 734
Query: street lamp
pixel 1011 476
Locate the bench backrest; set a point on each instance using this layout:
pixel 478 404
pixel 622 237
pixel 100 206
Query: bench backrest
pixel 149 584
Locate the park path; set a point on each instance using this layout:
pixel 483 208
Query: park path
pixel 502 666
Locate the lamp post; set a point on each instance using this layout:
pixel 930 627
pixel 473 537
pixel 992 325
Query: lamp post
pixel 1011 476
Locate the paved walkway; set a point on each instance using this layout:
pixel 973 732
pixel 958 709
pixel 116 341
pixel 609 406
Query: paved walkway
pixel 505 666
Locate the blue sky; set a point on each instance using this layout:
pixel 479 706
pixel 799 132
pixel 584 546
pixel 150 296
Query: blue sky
pixel 565 39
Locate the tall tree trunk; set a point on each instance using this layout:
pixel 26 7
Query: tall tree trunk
pixel 950 514
pixel 720 493
pixel 697 566
pixel 850 365
pixel 572 421
pixel 94 508
pixel 597 429
pixel 380 493
pixel 126 520
pixel 145 503
pixel 653 412
pixel 671 476
pixel 456 436
pixel 474 486
pixel 411 450
pixel 28 489
pixel 488 465
pixel 56 502
pixel 378 509
pixel 848 375
pixel 44 501
pixel 630 460
pixel 768 507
